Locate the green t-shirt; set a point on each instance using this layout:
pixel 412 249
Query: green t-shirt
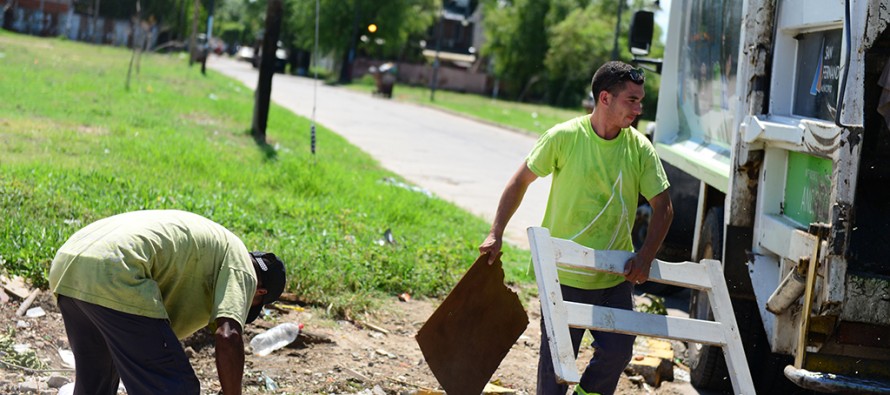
pixel 163 264
pixel 595 188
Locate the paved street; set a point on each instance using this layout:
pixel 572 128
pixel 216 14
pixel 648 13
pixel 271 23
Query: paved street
pixel 463 161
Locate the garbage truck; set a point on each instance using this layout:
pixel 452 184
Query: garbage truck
pixel 778 111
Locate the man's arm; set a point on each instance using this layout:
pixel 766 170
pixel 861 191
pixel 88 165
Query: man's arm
pixel 229 355
pixel 636 270
pixel 510 200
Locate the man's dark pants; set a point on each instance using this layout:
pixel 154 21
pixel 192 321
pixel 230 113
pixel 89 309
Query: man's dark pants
pixel 110 346
pixel 612 350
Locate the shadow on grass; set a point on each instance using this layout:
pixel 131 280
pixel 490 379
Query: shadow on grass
pixel 268 150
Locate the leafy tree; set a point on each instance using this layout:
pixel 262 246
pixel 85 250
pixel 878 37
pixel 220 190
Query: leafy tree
pixel 516 41
pixel 549 49
pixel 344 26
pixel 239 21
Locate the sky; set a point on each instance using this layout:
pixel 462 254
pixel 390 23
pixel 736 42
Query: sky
pixel 661 17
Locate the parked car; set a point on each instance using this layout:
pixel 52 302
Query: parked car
pixel 245 53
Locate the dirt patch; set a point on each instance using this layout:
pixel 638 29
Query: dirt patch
pixel 329 357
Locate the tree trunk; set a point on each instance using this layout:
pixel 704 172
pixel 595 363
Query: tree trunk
pixel 193 51
pixel 267 70
pixel 349 55
pixel 97 37
pixel 137 47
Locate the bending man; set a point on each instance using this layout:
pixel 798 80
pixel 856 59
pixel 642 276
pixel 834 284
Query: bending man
pixel 131 285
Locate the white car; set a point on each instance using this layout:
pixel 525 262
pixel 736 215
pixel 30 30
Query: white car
pixel 245 53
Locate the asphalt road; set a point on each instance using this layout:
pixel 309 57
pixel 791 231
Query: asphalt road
pixel 463 161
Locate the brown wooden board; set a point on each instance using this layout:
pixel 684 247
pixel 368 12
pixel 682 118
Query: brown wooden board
pixel 470 333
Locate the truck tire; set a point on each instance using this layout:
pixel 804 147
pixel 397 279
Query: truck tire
pixel 706 363
pixel 707 368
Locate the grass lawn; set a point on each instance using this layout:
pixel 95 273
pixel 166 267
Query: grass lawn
pixel 76 146
pixel 529 118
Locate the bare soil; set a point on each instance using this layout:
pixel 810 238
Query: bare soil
pixel 374 354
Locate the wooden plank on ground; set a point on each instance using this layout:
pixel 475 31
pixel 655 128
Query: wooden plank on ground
pixel 15 286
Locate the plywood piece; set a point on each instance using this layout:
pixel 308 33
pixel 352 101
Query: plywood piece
pixel 15 286
pixel 470 333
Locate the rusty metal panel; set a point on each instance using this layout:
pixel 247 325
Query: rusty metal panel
pixel 471 332
pixel 868 300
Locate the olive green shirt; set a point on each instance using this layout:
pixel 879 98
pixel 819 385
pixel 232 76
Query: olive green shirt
pixel 163 264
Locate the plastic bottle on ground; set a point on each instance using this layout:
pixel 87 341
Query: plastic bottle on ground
pixel 275 338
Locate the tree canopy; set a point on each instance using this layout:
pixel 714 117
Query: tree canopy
pixel 547 50
pixel 400 26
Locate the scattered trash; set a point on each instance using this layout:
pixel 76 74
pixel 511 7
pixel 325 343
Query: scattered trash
pixel 376 328
pixel 405 297
pixel 385 353
pixel 492 388
pixel 394 182
pixel 655 306
pixel 57 381
pixel 72 222
pixel 213 97
pixel 268 382
pixel 27 303
pixel 67 358
pixel 22 324
pixel 67 389
pixel 387 238
pixel 275 338
pixel 298 309
pixel 372 391
pixel 534 115
pixel 21 348
pixel 29 387
pixel 35 312
pixel 15 286
pixel 107 151
pixel 356 375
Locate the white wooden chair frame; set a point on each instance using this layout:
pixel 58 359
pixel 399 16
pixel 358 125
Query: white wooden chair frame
pixel 560 315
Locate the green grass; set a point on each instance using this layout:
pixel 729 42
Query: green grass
pixel 530 118
pixel 76 146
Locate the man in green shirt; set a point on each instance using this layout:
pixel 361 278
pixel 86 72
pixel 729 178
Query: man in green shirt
pixel 131 285
pixel 600 166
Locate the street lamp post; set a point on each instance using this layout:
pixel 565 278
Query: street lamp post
pixel 617 30
pixel 435 78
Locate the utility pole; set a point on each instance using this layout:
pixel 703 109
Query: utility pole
pixel 435 79
pixel 617 30
pixel 209 21
pixel 274 11
pixel 97 37
pixel 192 49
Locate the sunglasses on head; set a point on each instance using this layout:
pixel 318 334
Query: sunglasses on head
pixel 635 75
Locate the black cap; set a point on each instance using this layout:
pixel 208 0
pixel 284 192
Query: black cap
pixel 271 272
